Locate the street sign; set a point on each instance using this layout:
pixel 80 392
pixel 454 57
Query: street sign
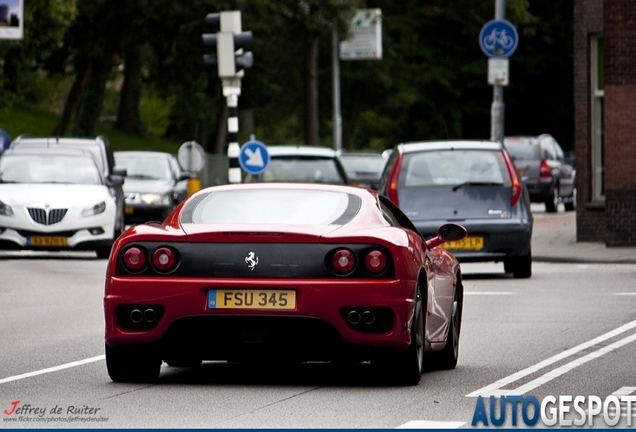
pixel 365 42
pixel 12 19
pixel 191 156
pixel 254 157
pixel 498 38
pixel 498 71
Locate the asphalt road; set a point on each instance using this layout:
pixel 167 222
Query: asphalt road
pixel 51 356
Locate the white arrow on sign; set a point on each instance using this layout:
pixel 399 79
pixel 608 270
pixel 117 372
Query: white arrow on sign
pixel 254 157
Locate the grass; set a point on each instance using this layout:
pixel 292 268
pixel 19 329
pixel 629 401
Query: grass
pixel 24 119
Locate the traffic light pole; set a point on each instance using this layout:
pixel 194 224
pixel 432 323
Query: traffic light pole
pixel 497 107
pixel 231 91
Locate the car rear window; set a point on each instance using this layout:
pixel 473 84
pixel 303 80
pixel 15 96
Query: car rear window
pixel 523 148
pixel 363 164
pixel 302 169
pixel 452 167
pixel 274 206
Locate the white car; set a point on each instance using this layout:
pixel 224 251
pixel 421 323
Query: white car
pixel 55 200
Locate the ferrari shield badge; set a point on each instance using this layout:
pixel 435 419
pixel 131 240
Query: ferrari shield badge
pixel 251 260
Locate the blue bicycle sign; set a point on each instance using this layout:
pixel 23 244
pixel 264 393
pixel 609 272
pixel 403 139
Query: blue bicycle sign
pixel 498 38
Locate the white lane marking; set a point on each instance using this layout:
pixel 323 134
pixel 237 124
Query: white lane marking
pixel 495 387
pixel 51 369
pixel 489 293
pixel 425 424
pixel 624 391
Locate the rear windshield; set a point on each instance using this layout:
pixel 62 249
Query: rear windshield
pixel 363 164
pixel 522 148
pixel 452 167
pixel 301 169
pixel 274 206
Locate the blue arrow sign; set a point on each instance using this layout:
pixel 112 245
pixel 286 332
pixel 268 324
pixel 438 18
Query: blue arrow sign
pixel 254 157
pixel 498 38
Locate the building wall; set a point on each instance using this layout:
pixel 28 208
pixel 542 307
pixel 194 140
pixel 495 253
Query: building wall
pixel 620 121
pixel 590 216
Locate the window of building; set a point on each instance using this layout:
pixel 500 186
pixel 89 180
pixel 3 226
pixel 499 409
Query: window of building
pixel 598 94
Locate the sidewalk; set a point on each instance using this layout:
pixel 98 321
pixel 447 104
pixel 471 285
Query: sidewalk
pixel 554 240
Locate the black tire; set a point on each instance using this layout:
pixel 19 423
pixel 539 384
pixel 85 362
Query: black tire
pixel 407 368
pixel 552 202
pixel 127 365
pixel 520 267
pixel 448 357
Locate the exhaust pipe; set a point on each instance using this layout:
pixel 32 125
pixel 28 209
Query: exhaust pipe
pixel 136 316
pixel 150 315
pixel 353 317
pixel 368 317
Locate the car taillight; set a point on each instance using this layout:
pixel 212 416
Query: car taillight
pixel 392 186
pixel 375 261
pixel 544 170
pixel 515 181
pixel 164 259
pixel 343 261
pixel 134 259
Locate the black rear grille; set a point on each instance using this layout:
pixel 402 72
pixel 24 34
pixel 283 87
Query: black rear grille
pixel 25 233
pixel 47 216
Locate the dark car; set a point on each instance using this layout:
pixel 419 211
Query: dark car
pixel 363 168
pixel 283 272
pixel 102 152
pixel 154 186
pixel 542 165
pixel 303 164
pixel 473 183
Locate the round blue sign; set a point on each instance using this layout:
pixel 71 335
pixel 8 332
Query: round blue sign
pixel 498 38
pixel 254 157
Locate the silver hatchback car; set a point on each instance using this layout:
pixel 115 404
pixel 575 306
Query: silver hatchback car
pixel 472 183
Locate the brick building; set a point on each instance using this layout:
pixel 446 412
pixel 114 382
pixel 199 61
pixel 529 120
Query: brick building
pixel 605 120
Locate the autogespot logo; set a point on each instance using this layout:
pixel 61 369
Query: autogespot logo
pixel 557 411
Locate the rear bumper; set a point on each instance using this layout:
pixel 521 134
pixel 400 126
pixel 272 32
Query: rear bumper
pixel 316 330
pixel 503 238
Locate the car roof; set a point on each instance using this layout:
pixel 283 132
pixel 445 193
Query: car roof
pixel 292 185
pixel 55 141
pixel 413 147
pixel 304 150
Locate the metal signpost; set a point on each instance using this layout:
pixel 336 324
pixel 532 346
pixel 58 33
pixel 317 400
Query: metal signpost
pixel 365 43
pixel 229 62
pixel 498 39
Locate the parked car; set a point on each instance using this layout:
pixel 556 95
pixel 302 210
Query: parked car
pixel 473 183
pixel 154 185
pixel 283 272
pixel 102 152
pixel 363 168
pixel 305 164
pixel 541 163
pixel 55 199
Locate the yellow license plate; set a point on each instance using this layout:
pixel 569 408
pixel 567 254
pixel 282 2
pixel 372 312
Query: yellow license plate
pixel 44 241
pixel 469 243
pixel 129 209
pixel 252 299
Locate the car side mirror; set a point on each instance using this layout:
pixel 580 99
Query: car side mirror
pixel 119 171
pixel 114 180
pixel 446 233
pixel 183 176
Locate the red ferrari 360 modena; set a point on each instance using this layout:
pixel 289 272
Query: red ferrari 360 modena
pixel 282 271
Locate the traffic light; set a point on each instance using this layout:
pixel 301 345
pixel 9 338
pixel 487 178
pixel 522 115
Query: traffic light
pixel 229 42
